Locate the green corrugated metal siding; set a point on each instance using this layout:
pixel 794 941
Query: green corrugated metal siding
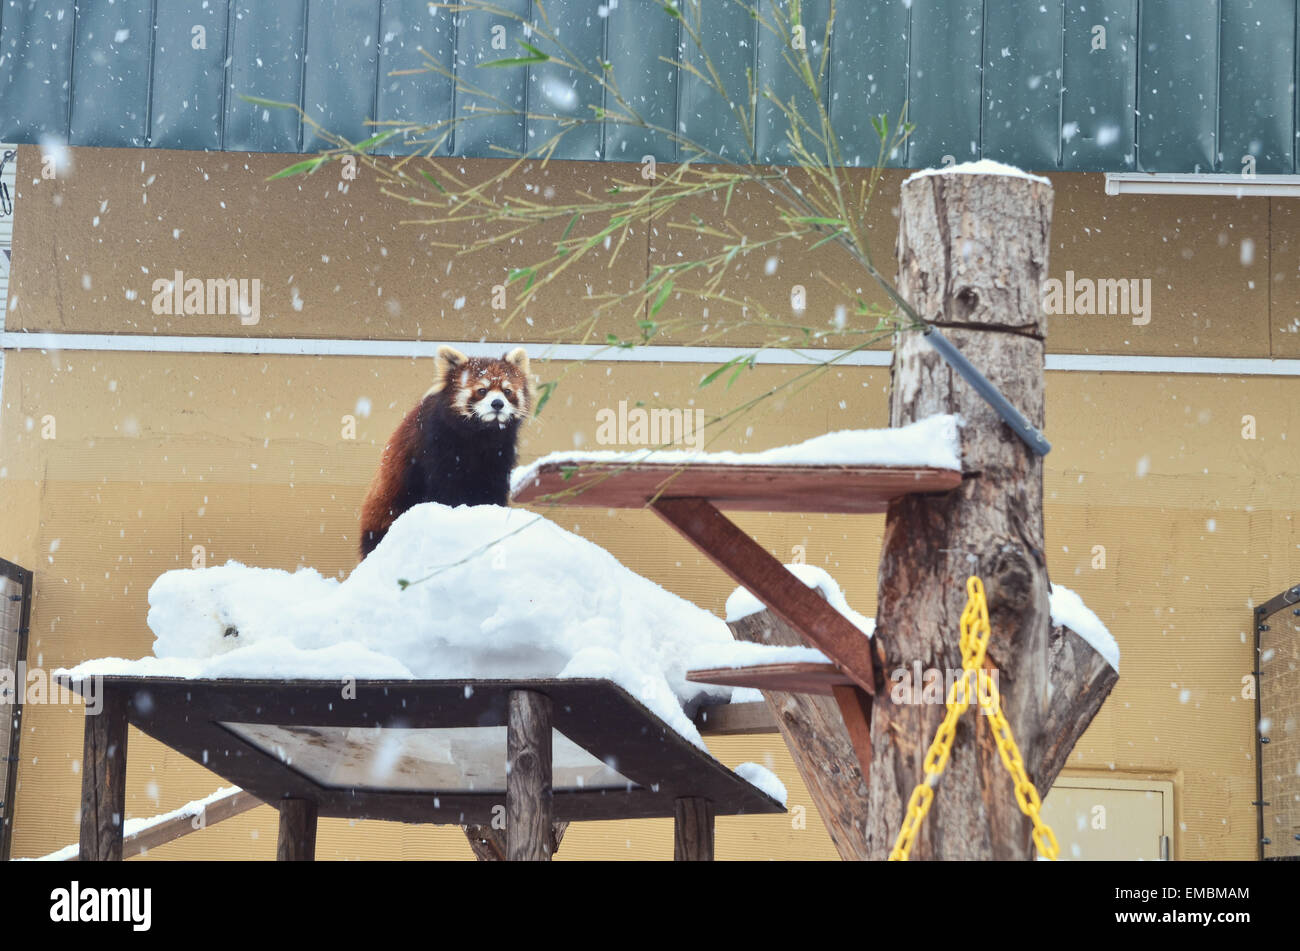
pixel 1180 85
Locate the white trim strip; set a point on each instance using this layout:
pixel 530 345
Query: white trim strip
pixel 1188 183
pixel 423 349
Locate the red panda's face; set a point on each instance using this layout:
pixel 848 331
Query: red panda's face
pixel 492 392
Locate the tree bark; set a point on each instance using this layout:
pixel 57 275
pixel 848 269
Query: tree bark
pixel 103 780
pixel 296 841
pixel 528 778
pixel 973 256
pixel 693 830
pixel 819 742
pixel 489 844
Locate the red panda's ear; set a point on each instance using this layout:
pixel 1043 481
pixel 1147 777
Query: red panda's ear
pixel 448 359
pixel 519 357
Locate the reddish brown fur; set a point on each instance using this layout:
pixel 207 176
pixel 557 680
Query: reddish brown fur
pixel 441 451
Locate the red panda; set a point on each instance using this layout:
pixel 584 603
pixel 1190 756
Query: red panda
pixel 457 445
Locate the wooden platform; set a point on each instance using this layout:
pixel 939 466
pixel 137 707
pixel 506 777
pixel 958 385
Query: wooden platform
pixel 795 678
pixel 213 722
pixel 843 490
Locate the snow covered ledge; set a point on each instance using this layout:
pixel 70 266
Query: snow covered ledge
pixel 933 442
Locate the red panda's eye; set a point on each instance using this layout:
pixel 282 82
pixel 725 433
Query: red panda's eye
pixel 480 392
pixel 507 392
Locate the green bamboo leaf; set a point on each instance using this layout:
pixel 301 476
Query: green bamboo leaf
pixel 830 237
pixel 298 168
pixel 719 371
pixel 375 140
pixel 572 221
pixel 537 56
pixel 514 61
pixel 672 11
pixel 665 289
pixel 545 389
pixel 436 184
pixel 519 272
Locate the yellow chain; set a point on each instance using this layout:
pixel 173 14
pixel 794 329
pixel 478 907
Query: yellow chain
pixel 975 633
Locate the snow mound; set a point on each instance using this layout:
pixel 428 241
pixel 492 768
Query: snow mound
pixel 743 604
pixel 764 779
pixel 931 442
pixel 494 593
pixel 1069 610
pixel 982 167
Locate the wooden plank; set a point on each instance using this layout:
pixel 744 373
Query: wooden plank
pixel 693 830
pixel 793 601
pixel 103 780
pixel 190 716
pixel 841 490
pixel 297 838
pixel 735 719
pixel 528 777
pixel 218 810
pixel 793 678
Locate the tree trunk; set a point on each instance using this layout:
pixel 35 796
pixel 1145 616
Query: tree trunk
pixel 973 257
pixel 529 804
pixel 819 742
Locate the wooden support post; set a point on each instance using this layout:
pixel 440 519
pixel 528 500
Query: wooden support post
pixel 297 840
pixel 103 780
pixel 973 255
pixel 693 830
pixel 855 709
pixel 528 778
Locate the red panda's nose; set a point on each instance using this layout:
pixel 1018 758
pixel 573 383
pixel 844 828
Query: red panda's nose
pixel 498 404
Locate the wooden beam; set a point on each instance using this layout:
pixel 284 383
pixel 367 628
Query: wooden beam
pixel 693 831
pixel 529 807
pixel 855 708
pixel 219 810
pixel 735 719
pixel 749 564
pixel 845 490
pixel 103 780
pixel 297 839
pixel 795 678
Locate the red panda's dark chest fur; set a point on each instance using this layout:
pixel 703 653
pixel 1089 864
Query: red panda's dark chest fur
pixel 457 462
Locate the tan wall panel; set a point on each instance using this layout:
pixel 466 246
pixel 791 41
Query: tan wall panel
pixel 768 274
pixel 335 258
pixel 1207 296
pixel 1284 290
pixel 359 265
